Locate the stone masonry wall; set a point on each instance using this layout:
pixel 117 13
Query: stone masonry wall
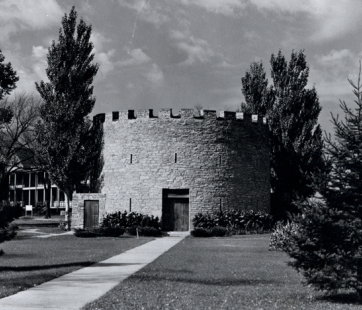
pixel 223 161
pixel 78 207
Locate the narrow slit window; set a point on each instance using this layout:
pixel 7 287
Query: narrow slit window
pixel 130 205
pixel 130 159
pixel 220 160
pixel 175 157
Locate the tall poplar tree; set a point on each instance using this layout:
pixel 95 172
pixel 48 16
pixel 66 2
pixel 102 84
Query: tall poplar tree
pixel 292 111
pixel 63 133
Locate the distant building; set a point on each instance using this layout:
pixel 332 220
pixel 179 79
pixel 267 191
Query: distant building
pixel 26 185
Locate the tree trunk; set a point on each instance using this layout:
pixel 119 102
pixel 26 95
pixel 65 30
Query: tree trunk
pixel 68 197
pixel 47 187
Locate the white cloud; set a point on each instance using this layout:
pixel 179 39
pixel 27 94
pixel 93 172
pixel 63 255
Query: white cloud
pixel 225 7
pixel 102 56
pixel 332 71
pixel 335 57
pixel 105 63
pixel 16 15
pixel 147 11
pixel 39 54
pixel 137 57
pixel 197 49
pixel 155 76
pixel 331 18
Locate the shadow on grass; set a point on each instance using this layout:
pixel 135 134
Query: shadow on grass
pixel 342 298
pixel 44 267
pixel 116 264
pixel 219 282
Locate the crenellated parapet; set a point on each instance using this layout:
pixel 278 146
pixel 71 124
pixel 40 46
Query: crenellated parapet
pixel 166 114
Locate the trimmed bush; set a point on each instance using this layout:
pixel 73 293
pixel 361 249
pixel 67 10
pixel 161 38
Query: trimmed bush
pixel 99 232
pixel 216 231
pixel 280 238
pixel 119 219
pixel 146 231
pixel 149 231
pixel 200 232
pixel 235 221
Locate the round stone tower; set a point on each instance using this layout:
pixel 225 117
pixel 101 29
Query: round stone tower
pixel 174 166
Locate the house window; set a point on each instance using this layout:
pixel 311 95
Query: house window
pixel 32 179
pixel 12 179
pixel 26 180
pixel 41 178
pixel 19 178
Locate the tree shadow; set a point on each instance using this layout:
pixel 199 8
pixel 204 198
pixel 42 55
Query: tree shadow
pixel 44 267
pixel 209 281
pixel 341 298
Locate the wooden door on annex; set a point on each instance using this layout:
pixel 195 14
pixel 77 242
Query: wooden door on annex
pixel 91 213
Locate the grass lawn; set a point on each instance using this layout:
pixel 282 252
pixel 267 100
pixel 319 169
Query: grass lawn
pixel 28 262
pixel 220 273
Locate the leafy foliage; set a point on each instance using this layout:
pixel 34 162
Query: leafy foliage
pixel 216 231
pixel 295 137
pixel 8 213
pixel 8 78
pixel 64 134
pixel 282 234
pixel 99 232
pixel 132 219
pixel 234 220
pixel 328 247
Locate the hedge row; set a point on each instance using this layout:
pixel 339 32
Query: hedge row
pixel 116 224
pixel 234 221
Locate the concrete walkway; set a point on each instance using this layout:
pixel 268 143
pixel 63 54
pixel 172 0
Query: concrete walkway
pixel 76 289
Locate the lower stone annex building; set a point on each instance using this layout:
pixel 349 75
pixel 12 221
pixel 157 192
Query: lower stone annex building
pixel 174 166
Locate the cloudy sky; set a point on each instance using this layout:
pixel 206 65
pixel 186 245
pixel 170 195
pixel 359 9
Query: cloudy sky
pixel 180 53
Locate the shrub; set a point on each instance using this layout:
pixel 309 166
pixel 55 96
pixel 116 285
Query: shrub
pixel 40 208
pixel 146 231
pixel 7 234
pixel 219 231
pixel 119 219
pixel 9 213
pixel 216 231
pixel 98 232
pixel 280 238
pixel 149 231
pixel 200 232
pixel 235 221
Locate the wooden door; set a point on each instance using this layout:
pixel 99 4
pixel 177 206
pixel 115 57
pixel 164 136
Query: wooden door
pixel 181 214
pixel 175 214
pixel 91 213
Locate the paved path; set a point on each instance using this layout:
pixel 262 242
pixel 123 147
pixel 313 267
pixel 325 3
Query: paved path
pixel 74 290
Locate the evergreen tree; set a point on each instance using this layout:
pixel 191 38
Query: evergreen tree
pixel 63 133
pixel 328 248
pixel 292 111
